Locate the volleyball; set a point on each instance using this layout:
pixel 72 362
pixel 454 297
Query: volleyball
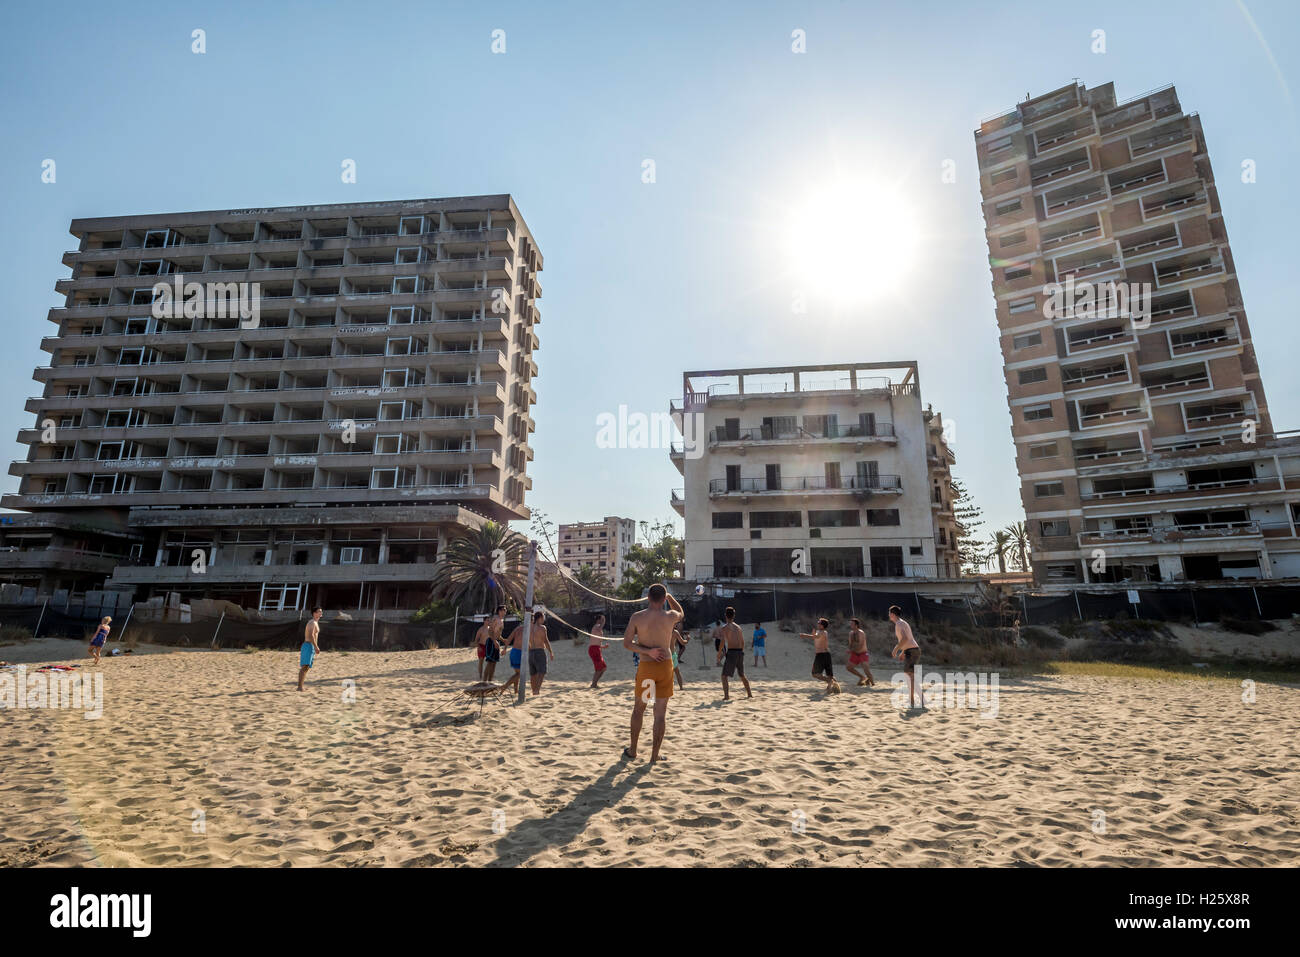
pixel 699 589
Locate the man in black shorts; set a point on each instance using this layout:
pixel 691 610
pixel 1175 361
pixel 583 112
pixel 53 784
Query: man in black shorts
pixel 730 641
pixel 822 669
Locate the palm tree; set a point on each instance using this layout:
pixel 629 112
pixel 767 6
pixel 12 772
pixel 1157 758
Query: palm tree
pixel 1020 539
pixel 482 567
pixel 999 546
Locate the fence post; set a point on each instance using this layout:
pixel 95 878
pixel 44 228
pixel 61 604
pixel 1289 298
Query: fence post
pixel 455 627
pixel 214 630
pixel 917 600
pixel 1192 593
pixel 775 616
pixel 1259 610
pixel 41 618
pixel 1077 606
pixel 1024 606
pixel 852 611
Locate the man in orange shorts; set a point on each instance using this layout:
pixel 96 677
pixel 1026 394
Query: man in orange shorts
pixel 650 635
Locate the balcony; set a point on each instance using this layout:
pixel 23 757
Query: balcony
pixel 766 433
pixel 1136 177
pixel 1186 341
pixel 678 501
pixel 1073 197
pixel 1067 234
pixel 891 571
pixel 1184 268
pixel 1172 201
pixel 1160 138
pixel 1185 489
pixel 1122 409
pixel 1183 379
pixel 868 484
pixel 1086 377
pixel 1060 168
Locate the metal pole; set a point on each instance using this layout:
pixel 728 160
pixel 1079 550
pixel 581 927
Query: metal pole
pixel 528 621
pixel 1258 609
pixel 775 616
pixel 1196 618
pixel 852 611
pixel 916 599
pixel 374 613
pixel 1077 606
pixel 214 630
pixel 455 627
pixel 41 618
pixel 122 634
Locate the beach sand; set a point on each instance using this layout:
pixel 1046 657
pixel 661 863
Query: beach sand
pixel 1175 772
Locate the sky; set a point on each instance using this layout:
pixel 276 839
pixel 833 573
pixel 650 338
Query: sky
pixel 699 267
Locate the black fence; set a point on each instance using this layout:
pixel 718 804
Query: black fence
pixel 1192 604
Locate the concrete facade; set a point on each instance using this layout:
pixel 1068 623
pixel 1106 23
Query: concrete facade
pixel 1143 441
pixel 841 462
pixel 378 397
pixel 601 545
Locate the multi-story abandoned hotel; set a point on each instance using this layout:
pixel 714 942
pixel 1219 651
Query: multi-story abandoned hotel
pixel 814 474
pixel 320 452
pixel 1144 443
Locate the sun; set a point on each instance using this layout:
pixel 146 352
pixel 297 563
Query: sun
pixel 852 242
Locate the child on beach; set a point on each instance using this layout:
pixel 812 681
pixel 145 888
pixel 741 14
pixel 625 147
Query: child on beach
pixel 759 644
pixel 822 668
pixel 101 636
pixel 680 640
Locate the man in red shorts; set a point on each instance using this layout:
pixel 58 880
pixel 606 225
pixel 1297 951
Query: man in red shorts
pixel 595 648
pixel 858 654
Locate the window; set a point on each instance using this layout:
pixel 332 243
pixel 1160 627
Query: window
pixel 1021 305
pixel 1008 206
pixel 408 254
pixel 1036 374
pixel 1033 413
pixel 1013 239
pixel 350 556
pixel 728 519
pixel 388 444
pixel 1043 450
pixel 775 519
pixel 999 145
pixel 728 562
pixel 915 550
pixel 887 561
pixel 834 518
pixel 882 516
pixel 404 284
pixel 1055 528
pixel 1027 339
pixel 1048 489
pixel 1012 273
pixel 1004 176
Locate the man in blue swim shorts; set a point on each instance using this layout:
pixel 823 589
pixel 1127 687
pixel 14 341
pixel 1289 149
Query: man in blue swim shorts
pixel 310 646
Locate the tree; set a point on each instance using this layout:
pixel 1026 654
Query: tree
pixel 542 528
pixel 657 558
pixel 433 611
pixel 594 580
pixel 1019 535
pixel 481 568
pixel 969 518
pixel 1000 545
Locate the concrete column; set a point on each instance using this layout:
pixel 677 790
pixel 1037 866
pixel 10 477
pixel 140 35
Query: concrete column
pixel 796 382
pixel 158 558
pixel 327 552
pixel 383 546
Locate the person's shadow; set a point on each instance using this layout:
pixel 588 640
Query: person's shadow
pixel 533 835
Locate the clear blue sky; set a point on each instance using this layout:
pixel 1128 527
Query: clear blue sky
pixel 641 280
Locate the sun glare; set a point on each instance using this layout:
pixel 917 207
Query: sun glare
pixel 853 242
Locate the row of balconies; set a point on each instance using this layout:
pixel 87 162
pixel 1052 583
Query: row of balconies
pixel 808 483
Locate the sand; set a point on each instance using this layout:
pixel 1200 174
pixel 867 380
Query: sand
pixel 212 758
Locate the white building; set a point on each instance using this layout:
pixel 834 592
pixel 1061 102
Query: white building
pixel 820 474
pixel 601 545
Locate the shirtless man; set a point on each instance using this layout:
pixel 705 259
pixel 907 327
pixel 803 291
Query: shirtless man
pixel 732 648
pixel 492 646
pixel 858 654
pixel 485 636
pixel 595 648
pixel 822 668
pixel 310 646
pixel 650 635
pixel 908 651
pixel 539 649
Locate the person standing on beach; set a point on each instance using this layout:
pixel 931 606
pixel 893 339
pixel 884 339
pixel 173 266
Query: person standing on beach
pixel 481 639
pixel 822 668
pixel 100 636
pixel 492 645
pixel 759 644
pixel 596 648
pixel 859 655
pixel 310 646
pixel 680 640
pixel 732 648
pixel 908 650
pixel 539 650
pixel 649 635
